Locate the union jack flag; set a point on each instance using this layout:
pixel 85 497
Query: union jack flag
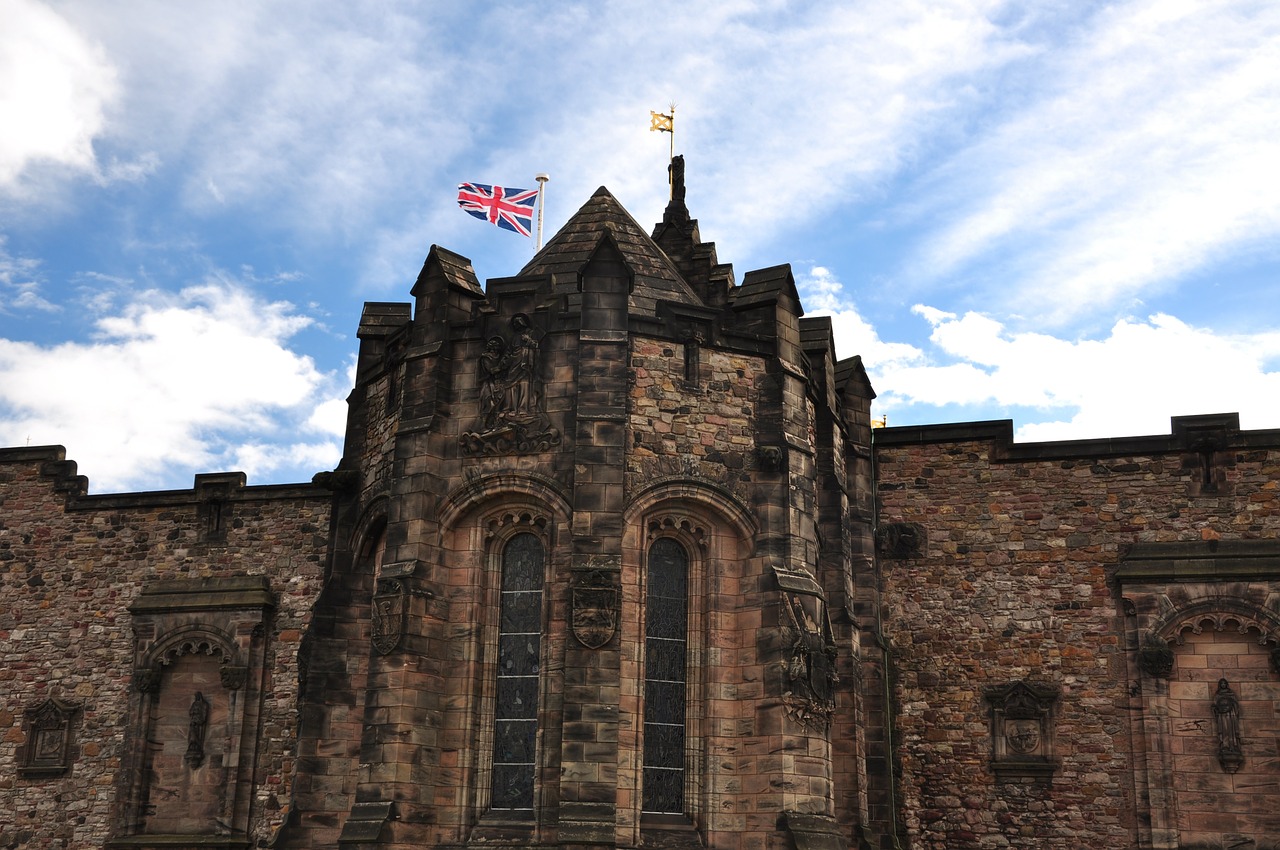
pixel 510 209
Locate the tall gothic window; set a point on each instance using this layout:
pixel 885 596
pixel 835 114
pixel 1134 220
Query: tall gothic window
pixel 515 726
pixel 665 684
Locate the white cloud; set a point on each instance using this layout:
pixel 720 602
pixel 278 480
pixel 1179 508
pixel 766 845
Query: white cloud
pixel 54 88
pixel 328 116
pixel 1147 150
pixel 313 112
pixel 329 417
pixel 173 383
pixel 262 459
pixel 824 295
pixel 1130 382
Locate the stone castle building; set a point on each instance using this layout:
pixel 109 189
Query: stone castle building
pixel 614 559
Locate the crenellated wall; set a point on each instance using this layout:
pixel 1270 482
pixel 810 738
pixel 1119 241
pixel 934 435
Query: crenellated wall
pixel 71 568
pixel 1007 563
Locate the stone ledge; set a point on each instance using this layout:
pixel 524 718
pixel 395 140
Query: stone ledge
pixel 204 594
pixel 1212 560
pixel 180 842
pixel 1187 434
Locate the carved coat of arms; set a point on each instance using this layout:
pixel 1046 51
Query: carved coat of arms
pixel 387 620
pixel 595 610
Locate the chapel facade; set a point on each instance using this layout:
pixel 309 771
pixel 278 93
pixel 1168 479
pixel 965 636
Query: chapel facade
pixel 614 559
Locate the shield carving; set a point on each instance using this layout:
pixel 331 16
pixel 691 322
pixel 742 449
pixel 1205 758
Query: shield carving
pixel 387 626
pixel 595 610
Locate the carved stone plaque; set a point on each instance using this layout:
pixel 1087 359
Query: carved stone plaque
pixel 595 610
pixel 1022 730
pixel 387 619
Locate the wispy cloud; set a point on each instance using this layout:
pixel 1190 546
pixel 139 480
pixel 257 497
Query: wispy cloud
pixel 1147 149
pixel 21 284
pixel 1017 167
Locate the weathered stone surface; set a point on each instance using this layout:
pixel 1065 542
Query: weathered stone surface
pixel 1019 580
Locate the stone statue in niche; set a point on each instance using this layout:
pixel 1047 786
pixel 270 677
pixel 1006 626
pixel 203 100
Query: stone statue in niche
pixel 1226 721
pixel 513 417
pixel 198 723
pixel 810 665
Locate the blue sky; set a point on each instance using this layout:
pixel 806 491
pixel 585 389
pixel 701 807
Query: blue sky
pixel 1063 213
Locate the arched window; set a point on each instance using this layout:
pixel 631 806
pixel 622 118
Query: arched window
pixel 515 722
pixel 666 626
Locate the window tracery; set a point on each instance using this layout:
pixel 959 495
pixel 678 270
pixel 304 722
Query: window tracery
pixel 665 677
pixel 515 721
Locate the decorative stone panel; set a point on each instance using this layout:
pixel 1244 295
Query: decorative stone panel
pixel 1022 730
pixel 901 540
pixel 48 747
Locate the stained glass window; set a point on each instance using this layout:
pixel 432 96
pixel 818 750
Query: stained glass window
pixel 515 726
pixel 665 629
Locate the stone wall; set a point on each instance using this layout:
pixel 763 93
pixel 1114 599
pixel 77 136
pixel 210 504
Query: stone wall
pixel 1000 565
pixel 71 565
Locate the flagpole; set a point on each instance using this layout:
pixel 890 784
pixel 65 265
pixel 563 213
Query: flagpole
pixel 542 177
pixel 673 132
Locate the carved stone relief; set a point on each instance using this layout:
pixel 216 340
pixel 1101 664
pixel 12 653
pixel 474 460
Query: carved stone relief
pixel 809 650
pixel 390 603
pixel 1022 730
pixel 48 736
pixel 900 540
pixel 595 609
pixel 1156 656
pixel 513 415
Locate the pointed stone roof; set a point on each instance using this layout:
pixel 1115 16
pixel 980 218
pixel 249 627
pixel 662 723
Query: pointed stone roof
pixel 656 276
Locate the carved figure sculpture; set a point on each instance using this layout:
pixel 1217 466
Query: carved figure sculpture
pixel 1226 719
pixel 512 417
pixel 676 170
pixel 493 368
pixel 198 716
pixel 524 392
